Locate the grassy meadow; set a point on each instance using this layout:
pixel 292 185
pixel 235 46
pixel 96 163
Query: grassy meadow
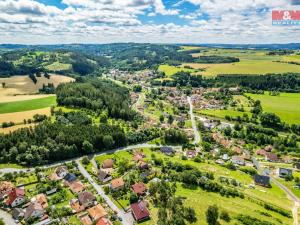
pixel 286 105
pixel 171 70
pixel 20 106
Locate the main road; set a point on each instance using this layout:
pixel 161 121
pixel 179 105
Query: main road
pixel 194 124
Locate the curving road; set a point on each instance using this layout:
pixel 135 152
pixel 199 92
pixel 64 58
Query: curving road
pixel 194 124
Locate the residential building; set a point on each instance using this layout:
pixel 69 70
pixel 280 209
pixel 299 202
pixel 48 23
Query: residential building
pixel 167 150
pixel 61 171
pixel 117 184
pixel 34 210
pixel 238 160
pixel 77 187
pixel 104 221
pixel 262 180
pixel 5 188
pixel 271 157
pixel 97 212
pixel 139 188
pixel 191 154
pixel 103 176
pixel 107 163
pixel 139 211
pixel 18 214
pixel 70 177
pixel 75 206
pixel 86 220
pixel 16 197
pixel 42 199
pixel 284 172
pixel 86 199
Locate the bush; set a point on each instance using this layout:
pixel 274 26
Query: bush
pixel 225 216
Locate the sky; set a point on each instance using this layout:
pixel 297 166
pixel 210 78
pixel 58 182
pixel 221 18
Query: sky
pixel 144 21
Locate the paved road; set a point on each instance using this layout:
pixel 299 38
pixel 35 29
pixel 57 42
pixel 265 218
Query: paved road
pixel 194 124
pixel 8 220
pixel 127 218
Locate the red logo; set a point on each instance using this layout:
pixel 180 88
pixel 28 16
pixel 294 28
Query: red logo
pixel 286 15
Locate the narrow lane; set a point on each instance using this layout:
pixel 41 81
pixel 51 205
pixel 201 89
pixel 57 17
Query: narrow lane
pixel 194 124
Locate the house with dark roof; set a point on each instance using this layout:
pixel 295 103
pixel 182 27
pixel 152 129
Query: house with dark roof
pixel 86 199
pixel 103 176
pixel 139 188
pixel 16 197
pixel 139 211
pixel 70 177
pixel 18 214
pixel 167 150
pixel 61 171
pixel 262 180
pixel 271 157
pixel 284 172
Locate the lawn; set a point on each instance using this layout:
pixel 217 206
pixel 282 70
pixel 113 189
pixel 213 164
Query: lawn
pixel 245 67
pixel 10 165
pixel 286 105
pixel 20 106
pixel 171 70
pixel 57 66
pixel 221 113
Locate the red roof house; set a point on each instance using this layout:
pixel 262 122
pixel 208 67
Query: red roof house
pixel 140 211
pixel 139 188
pixel 16 197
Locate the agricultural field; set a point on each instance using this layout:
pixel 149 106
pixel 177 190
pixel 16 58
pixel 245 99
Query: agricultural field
pixel 245 67
pixel 171 70
pixel 57 66
pixel 286 105
pixel 221 113
pixel 20 106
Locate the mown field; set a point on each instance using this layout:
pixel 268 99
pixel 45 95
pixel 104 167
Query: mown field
pixel 286 105
pixel 171 70
pixel 20 106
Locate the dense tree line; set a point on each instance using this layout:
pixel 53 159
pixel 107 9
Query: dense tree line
pixel 96 95
pixel 216 59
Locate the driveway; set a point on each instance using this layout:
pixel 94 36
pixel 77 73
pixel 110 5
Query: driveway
pixel 8 220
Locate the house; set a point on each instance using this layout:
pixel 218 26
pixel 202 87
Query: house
pixel 104 221
pixel 262 180
pixel 86 199
pixel 283 172
pixel 86 220
pixel 52 191
pixel 77 187
pixel 97 212
pixel 167 150
pixel 107 164
pixel 138 156
pixel 261 152
pixel 16 197
pixel 117 184
pixel 220 162
pixel 143 165
pixel 70 177
pixel 297 166
pixel 34 210
pixel 75 206
pixel 139 211
pixel 61 171
pixel 103 176
pixel 191 154
pixel 18 214
pixel 271 157
pixel 238 160
pixel 225 157
pixel 5 188
pixel 237 150
pixel 139 188
pixel 42 199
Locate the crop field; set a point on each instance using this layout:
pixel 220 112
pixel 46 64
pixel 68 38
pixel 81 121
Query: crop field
pixel 221 113
pixel 23 85
pixel 16 127
pixel 171 70
pixel 245 67
pixel 20 106
pixel 57 66
pixel 286 105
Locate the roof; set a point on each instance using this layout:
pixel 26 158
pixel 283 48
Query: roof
pixel 61 169
pixel 140 211
pixel 166 149
pixel 271 156
pixel 107 163
pixel 34 206
pixel 86 197
pixel 116 183
pixel 42 199
pixel 102 175
pixel 262 180
pixel 15 193
pixel 70 177
pixel 76 186
pixel 74 203
pixel 285 170
pixel 85 220
pixel 5 187
pixel 97 212
pixel 104 221
pixel 17 213
pixel 139 188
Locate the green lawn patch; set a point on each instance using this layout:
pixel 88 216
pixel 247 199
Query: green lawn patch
pixel 286 105
pixel 221 113
pixel 171 70
pixel 10 165
pixel 27 105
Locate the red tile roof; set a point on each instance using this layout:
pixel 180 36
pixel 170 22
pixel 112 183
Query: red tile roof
pixel 15 193
pixel 139 188
pixel 117 183
pixel 140 211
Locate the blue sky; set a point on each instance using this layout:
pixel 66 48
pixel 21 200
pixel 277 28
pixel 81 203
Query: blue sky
pixel 159 21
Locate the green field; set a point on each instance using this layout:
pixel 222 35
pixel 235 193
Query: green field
pixel 286 105
pixel 221 113
pixel 171 70
pixel 27 105
pixel 57 66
